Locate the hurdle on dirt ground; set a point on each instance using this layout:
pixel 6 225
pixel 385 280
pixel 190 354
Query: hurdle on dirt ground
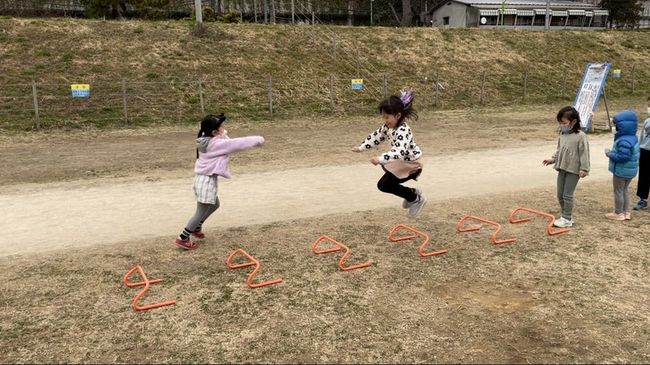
pixel 460 228
pixel 417 233
pixel 552 231
pixel 146 282
pixel 339 246
pixel 252 261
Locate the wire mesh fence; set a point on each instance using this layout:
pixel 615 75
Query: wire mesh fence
pixel 175 101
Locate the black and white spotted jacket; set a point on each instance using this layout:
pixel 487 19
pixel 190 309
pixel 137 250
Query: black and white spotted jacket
pixel 402 144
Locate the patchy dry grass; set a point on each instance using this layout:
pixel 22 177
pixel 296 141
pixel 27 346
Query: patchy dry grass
pixel 579 297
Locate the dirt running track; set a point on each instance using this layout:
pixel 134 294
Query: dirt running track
pixel 44 217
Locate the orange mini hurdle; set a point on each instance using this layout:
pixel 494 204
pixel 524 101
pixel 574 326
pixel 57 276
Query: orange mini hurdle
pixel 552 231
pixel 410 237
pixel 466 218
pixel 339 246
pixel 146 282
pixel 252 261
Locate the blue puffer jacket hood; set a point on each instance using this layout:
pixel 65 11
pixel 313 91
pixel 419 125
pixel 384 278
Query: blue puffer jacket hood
pixel 624 156
pixel 626 124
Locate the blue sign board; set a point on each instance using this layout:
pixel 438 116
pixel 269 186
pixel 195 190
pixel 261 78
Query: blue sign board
pixel 80 90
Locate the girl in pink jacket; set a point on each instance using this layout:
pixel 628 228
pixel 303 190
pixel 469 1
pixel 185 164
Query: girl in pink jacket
pixel 213 157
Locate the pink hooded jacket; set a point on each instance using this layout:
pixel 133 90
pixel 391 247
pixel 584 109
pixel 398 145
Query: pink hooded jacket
pixel 214 153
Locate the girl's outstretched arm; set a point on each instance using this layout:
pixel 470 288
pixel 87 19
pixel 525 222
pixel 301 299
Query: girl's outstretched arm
pixel 375 138
pixel 225 146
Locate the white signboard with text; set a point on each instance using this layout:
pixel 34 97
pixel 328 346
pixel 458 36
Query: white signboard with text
pixel 591 88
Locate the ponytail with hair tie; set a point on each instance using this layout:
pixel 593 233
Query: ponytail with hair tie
pixel 406 97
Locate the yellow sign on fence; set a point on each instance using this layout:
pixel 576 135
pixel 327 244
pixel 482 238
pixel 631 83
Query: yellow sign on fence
pixel 357 84
pixel 80 90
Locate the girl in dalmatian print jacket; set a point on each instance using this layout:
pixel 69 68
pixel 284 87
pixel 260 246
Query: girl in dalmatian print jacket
pixel 402 162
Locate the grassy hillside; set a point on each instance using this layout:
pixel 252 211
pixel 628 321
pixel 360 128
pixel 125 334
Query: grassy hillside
pixel 161 64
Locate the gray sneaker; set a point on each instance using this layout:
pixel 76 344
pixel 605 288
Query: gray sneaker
pixel 416 207
pixel 405 203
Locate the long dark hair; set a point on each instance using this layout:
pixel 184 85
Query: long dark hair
pixel 400 104
pixel 570 113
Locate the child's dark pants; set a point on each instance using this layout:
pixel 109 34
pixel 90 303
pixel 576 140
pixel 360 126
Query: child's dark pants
pixel 391 184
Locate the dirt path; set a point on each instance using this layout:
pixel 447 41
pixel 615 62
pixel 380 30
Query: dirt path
pixel 44 217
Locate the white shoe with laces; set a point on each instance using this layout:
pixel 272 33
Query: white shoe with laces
pixel 563 222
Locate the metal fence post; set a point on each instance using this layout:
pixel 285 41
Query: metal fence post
pixel 124 101
pixel 201 96
pixel 480 100
pixel 525 85
pixel 564 76
pixel 37 119
pixel 271 94
pixel 633 77
pixel 332 90
pixel 437 88
pixel 385 87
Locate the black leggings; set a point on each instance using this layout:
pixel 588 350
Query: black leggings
pixel 391 184
pixel 643 185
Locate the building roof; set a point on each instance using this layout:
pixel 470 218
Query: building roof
pixel 523 4
pixel 528 3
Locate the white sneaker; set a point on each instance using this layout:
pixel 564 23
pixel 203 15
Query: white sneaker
pixel 563 222
pixel 405 203
pixel 416 207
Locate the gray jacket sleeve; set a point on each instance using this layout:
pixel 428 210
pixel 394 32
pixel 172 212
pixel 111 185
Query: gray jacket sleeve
pixel 583 151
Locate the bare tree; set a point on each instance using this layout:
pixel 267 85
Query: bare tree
pixel 407 13
pixel 350 12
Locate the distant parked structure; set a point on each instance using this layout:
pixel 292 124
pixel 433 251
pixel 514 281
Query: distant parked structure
pixel 645 15
pixel 525 14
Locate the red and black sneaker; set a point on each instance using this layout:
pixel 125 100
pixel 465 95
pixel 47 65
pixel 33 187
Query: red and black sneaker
pixel 198 234
pixel 186 244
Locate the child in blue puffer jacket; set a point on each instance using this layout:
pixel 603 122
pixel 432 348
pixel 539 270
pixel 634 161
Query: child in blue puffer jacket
pixel 623 162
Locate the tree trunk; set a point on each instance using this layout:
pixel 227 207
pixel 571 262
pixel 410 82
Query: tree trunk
pixel 273 11
pixel 216 7
pixel 350 12
pixel 116 9
pixel 407 14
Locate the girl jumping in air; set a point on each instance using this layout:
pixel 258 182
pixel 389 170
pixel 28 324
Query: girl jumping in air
pixel 402 162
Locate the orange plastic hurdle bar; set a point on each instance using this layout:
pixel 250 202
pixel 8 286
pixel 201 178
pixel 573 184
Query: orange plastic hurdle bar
pixel 146 282
pixel 410 237
pixel 478 227
pixel 552 231
pixel 342 267
pixel 252 261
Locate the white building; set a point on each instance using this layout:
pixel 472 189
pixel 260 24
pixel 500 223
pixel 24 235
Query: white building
pixel 525 14
pixel 645 15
